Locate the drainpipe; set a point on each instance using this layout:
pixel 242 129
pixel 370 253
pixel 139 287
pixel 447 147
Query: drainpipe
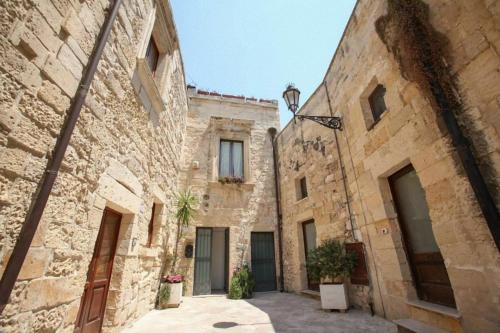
pixel 272 132
pixel 350 212
pixel 342 169
pixel 32 221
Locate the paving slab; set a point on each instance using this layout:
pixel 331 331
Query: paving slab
pixel 266 312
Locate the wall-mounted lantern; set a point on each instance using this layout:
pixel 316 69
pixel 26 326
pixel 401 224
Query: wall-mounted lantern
pixel 291 96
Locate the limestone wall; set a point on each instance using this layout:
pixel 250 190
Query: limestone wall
pixel 409 132
pixel 245 207
pixel 124 154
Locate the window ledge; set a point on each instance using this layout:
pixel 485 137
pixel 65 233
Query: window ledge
pixel 149 85
pixel 441 309
pixel 245 185
pixel 302 200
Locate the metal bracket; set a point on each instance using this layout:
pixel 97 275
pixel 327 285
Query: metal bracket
pixel 330 122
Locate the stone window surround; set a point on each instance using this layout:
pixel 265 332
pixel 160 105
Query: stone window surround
pixel 230 129
pixel 365 104
pixel 298 188
pixel 158 28
pixel 298 199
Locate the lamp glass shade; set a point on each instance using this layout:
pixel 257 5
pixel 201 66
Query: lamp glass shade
pixel 291 96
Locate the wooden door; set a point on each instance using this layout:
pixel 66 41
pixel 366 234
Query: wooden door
pixel 309 232
pixel 93 304
pixel 263 262
pixel 202 262
pixel 427 265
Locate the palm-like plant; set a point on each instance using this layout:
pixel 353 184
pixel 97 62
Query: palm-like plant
pixel 186 211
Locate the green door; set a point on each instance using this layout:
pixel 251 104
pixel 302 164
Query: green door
pixel 202 261
pixel 263 264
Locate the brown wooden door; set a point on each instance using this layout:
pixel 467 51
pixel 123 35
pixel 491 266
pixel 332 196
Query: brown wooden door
pixel 427 265
pixel 93 304
pixel 309 232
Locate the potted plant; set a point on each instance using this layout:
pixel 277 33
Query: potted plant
pixel 185 213
pixel 171 291
pixel 331 264
pixel 242 283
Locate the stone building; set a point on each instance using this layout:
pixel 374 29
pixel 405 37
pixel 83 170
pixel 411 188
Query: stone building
pixel 228 163
pixel 108 229
pixel 119 174
pixel 362 184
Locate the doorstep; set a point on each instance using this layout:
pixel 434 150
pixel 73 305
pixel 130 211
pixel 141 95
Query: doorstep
pixel 415 326
pixel 441 309
pixel 438 316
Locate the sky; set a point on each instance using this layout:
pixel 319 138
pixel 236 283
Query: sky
pixel 256 47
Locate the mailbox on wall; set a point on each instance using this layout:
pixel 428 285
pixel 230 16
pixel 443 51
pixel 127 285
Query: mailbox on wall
pixel 188 251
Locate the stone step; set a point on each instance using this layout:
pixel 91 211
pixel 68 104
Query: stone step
pixel 311 293
pixel 415 326
pixel 443 317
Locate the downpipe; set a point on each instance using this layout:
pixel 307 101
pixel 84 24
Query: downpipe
pixel 32 220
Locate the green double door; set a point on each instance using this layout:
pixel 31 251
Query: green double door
pixel 263 261
pixel 211 261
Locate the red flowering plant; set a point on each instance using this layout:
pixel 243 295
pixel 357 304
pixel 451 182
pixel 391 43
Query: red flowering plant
pixel 178 278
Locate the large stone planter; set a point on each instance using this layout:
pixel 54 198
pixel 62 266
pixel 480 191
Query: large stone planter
pixel 175 295
pixel 334 297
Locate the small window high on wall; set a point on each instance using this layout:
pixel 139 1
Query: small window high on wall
pixel 151 227
pixel 301 188
pixel 231 159
pixel 377 102
pixel 152 55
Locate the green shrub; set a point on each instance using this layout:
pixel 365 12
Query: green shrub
pixel 235 291
pixel 330 261
pixel 242 284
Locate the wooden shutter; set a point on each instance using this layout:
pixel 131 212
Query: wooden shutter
pixel 360 273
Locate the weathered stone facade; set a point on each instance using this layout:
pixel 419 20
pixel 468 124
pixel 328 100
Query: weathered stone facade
pixel 243 208
pixel 141 139
pixel 124 154
pixel 410 131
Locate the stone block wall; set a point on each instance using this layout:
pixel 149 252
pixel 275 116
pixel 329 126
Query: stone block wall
pixel 245 207
pixel 123 155
pixel 409 132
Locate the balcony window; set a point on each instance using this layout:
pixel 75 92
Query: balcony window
pixel 231 159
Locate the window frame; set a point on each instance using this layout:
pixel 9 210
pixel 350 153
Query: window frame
pixel 374 101
pixel 231 162
pixel 303 188
pixel 151 85
pixel 152 46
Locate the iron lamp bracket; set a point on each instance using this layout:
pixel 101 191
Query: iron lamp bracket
pixel 330 122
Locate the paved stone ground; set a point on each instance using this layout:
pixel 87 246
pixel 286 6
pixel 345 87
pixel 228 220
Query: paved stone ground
pixel 266 312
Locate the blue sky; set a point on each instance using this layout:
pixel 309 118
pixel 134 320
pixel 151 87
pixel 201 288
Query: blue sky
pixel 255 47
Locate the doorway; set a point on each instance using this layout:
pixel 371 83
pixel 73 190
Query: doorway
pixel 211 265
pixel 309 233
pixel 263 262
pixel 426 262
pixel 93 304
